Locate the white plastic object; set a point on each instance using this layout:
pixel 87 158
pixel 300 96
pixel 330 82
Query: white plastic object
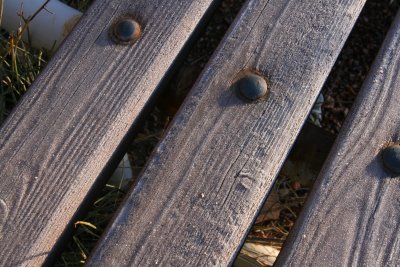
pixel 122 175
pixel 49 27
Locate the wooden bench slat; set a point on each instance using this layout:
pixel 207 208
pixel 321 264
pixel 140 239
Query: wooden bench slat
pixel 352 217
pixel 68 125
pixel 206 180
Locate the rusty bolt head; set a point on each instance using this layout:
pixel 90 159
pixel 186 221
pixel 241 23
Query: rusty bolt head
pixel 126 31
pixel 391 158
pixel 252 87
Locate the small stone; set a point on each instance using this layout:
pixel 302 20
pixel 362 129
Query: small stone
pixel 295 185
pixel 391 158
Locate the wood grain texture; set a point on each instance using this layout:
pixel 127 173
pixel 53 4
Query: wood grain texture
pixel 352 217
pixel 63 132
pixel 206 180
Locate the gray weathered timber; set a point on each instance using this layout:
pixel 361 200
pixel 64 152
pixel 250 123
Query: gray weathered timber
pixel 352 217
pixel 68 125
pixel 206 180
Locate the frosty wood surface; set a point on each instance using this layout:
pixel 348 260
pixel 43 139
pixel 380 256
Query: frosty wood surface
pixel 69 123
pixel 352 217
pixel 202 187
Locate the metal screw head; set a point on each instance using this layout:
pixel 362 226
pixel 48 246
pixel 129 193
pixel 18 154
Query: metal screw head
pixel 126 31
pixel 391 158
pixel 252 87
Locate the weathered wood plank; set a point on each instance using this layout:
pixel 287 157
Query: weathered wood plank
pixel 61 135
pixel 206 180
pixel 352 217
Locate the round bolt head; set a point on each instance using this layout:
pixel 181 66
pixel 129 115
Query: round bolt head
pixel 391 158
pixel 252 87
pixel 126 31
